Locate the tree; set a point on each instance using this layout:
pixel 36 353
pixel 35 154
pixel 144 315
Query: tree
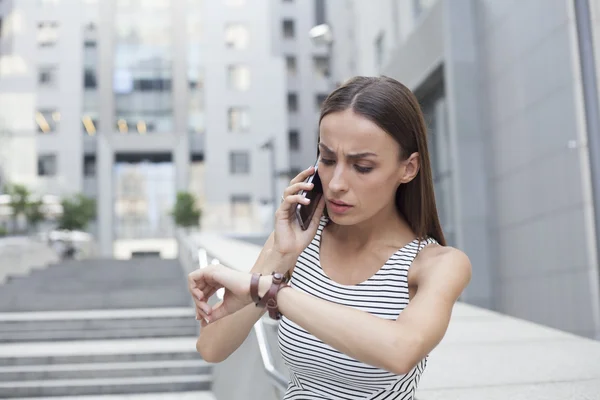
pixel 78 211
pixel 19 200
pixel 186 212
pixel 34 213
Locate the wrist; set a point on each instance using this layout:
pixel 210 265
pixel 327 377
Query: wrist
pixel 280 262
pixel 264 284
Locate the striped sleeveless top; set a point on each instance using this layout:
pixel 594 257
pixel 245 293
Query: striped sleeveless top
pixel 317 370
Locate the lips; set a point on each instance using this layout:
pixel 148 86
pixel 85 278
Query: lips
pixel 339 203
pixel 338 207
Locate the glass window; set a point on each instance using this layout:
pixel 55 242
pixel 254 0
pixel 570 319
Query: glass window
pixel 47 76
pixel 288 29
pixel 294 139
pixel 241 206
pixel 47 165
pixel 239 162
pixel 238 119
pixel 89 79
pixel 292 101
pixel 320 98
pixel 47 34
pixel 321 66
pixel 236 36
pixel 238 77
pixel 90 123
pixel 47 120
pixel 143 66
pixel 89 165
pixel 290 64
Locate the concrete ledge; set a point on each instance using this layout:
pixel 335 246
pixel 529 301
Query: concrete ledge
pixel 484 354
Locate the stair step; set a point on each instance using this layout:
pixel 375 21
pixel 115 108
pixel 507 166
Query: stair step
pixel 97 324
pixel 101 351
pixel 104 370
pixel 204 395
pixel 79 387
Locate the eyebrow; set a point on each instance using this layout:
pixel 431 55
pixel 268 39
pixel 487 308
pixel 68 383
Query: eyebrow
pixel 354 156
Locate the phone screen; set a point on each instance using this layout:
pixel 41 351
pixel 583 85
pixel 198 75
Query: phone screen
pixel 305 212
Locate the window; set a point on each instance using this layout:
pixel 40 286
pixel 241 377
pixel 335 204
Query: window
pixel 292 101
pixel 288 29
pixel 379 48
pixel 236 36
pixel 238 119
pixel 89 79
pixel 238 77
pixel 290 64
pixel 89 166
pixel 235 3
pixel 90 123
pixel 47 34
pixel 46 165
pixel 47 120
pixel 47 76
pixel 239 162
pixel 294 138
pixel 241 206
pixel 321 66
pixel 320 98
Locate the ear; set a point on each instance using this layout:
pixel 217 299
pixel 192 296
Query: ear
pixel 410 168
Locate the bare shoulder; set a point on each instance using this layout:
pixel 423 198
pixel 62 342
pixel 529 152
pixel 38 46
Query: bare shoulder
pixel 443 265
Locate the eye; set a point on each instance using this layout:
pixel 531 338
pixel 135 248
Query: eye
pixel 363 170
pixel 327 162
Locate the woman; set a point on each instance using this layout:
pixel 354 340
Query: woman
pixel 372 283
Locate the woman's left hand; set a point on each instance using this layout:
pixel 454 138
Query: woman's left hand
pixel 204 283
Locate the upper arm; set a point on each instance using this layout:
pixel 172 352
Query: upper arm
pixel 440 281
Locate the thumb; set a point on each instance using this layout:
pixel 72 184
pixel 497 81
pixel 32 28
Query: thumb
pixel 219 311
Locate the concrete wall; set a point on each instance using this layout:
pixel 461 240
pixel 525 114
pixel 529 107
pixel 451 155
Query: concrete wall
pixel 545 270
pixel 522 202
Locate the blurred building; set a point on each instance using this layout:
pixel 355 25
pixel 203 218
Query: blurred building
pixel 179 95
pixel 511 103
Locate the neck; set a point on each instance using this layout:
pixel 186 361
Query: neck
pixel 387 226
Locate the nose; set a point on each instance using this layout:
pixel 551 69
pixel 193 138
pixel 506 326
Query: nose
pixel 338 182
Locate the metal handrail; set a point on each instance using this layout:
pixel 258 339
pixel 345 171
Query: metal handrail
pixel 277 378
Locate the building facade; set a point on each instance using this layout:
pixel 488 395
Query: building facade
pixel 135 100
pixel 510 97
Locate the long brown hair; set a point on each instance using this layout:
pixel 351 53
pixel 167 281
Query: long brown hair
pixel 396 110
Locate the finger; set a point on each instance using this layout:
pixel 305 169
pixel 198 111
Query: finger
pixel 202 316
pixel 196 278
pixel 198 294
pixel 202 305
pixel 291 201
pixel 219 311
pixel 297 187
pixel 316 218
pixel 303 175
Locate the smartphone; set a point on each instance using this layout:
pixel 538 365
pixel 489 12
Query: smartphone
pixel 305 212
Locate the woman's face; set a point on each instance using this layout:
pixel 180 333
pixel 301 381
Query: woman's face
pixel 360 167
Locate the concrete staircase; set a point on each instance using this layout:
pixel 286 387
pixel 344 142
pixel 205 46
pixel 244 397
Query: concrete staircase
pixel 101 327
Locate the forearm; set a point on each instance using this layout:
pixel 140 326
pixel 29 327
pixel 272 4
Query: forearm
pixel 360 335
pixel 220 339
